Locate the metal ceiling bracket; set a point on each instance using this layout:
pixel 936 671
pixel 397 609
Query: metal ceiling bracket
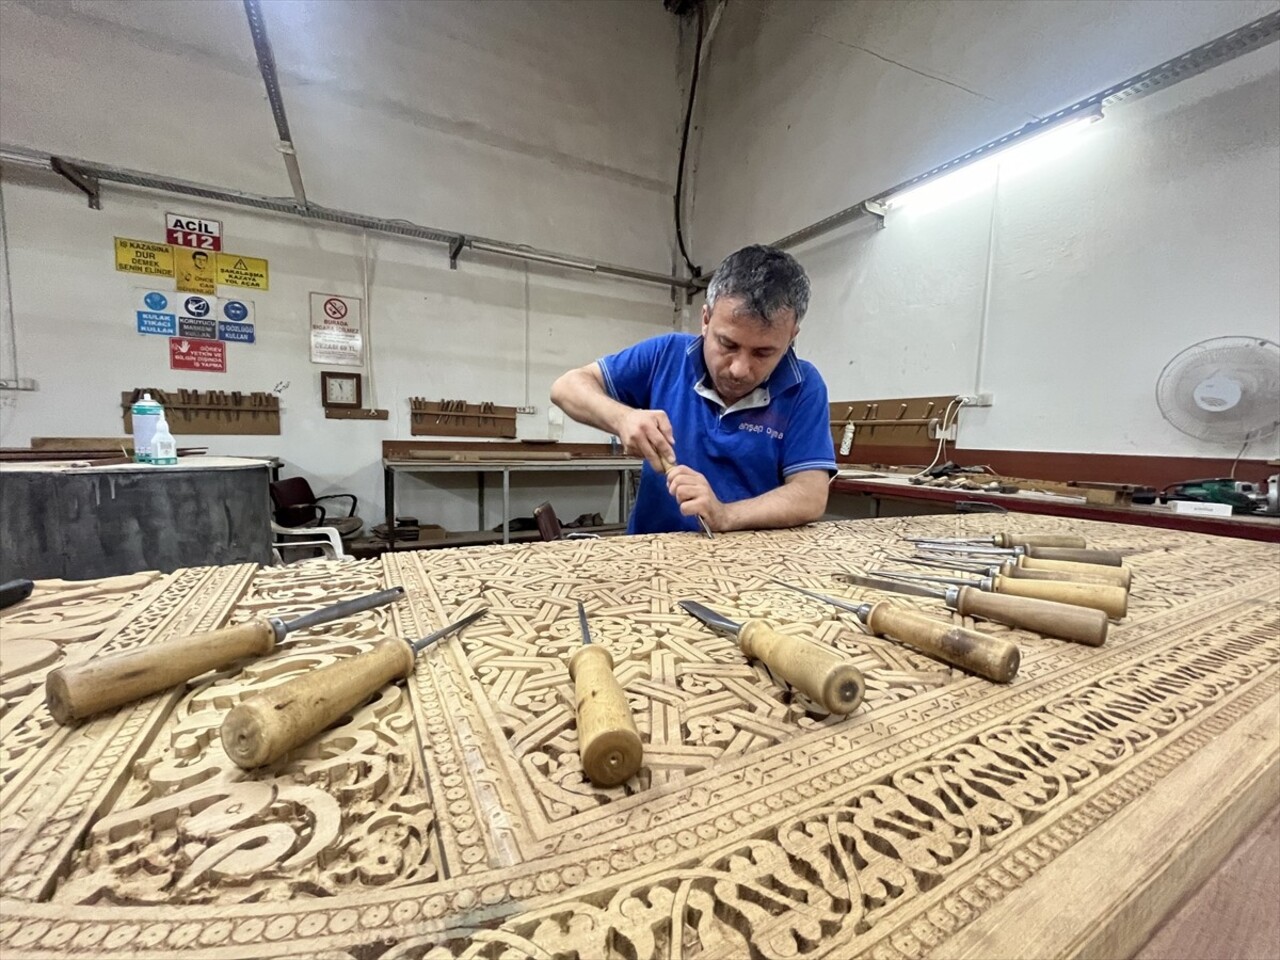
pixel 455 250
pixel 85 182
pixel 876 209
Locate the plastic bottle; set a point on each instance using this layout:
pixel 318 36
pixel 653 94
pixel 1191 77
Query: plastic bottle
pixel 146 415
pixel 164 449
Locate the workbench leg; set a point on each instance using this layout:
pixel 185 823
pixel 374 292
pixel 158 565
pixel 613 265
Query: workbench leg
pixel 389 501
pixel 480 499
pixel 506 505
pixel 624 495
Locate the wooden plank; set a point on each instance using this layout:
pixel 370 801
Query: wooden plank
pixel 413 449
pixel 339 413
pixel 449 817
pixel 81 443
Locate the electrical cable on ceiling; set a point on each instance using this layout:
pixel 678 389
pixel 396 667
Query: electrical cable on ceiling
pixel 684 147
pixel 8 322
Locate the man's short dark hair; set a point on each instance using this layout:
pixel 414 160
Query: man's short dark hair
pixel 767 279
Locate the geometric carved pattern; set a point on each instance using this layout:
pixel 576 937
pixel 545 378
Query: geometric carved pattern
pixel 449 817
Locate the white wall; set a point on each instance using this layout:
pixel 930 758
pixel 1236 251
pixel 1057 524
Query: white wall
pixel 540 122
pixel 1087 272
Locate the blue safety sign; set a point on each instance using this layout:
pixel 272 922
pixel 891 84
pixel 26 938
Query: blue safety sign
pixel 165 324
pixel 155 300
pixel 235 332
pixel 235 311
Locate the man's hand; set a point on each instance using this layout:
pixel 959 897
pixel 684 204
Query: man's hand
pixel 694 495
pixel 647 433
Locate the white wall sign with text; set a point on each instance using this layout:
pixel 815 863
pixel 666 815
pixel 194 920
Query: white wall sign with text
pixel 337 335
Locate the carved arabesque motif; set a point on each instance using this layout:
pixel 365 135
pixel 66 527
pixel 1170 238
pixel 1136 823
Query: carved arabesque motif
pixel 758 825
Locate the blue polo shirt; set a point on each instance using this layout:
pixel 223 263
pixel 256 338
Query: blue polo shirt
pixel 745 450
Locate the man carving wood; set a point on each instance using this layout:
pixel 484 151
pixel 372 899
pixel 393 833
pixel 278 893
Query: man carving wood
pixel 746 419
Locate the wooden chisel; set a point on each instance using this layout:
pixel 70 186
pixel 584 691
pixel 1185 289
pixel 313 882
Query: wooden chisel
pixel 822 675
pixel 1012 540
pixel 608 740
pixel 83 689
pixel 1091 572
pixel 1111 600
pixel 1105 558
pixel 668 465
pixel 990 657
pixel 264 727
pixel 1062 620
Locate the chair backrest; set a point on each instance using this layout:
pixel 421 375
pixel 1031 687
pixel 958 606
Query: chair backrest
pixel 548 523
pixel 291 492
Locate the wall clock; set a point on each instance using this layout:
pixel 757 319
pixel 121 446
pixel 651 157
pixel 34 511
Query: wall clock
pixel 340 391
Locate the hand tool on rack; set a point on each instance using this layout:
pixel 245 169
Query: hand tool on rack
pixel 1111 600
pixel 821 674
pixel 982 554
pixel 706 527
pixel 991 657
pixel 1012 540
pixel 83 689
pixel 1116 576
pixel 264 727
pixel 1062 620
pixel 608 741
pixel 15 591
pixel 1104 558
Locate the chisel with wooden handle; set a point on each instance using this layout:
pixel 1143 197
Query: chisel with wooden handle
pixel 1061 620
pixel 991 657
pixel 1111 600
pixel 83 689
pixel 1012 540
pixel 608 740
pixel 264 727
pixel 1080 572
pixel 1103 558
pixel 822 675
pixel 668 465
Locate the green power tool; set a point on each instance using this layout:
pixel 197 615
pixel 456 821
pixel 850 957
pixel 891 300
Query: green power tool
pixel 1242 497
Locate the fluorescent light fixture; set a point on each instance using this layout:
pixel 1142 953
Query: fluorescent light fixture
pixel 1018 151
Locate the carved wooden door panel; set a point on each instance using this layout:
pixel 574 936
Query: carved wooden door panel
pixel 449 816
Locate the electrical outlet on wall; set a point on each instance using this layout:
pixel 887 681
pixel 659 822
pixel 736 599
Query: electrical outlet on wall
pixel 977 400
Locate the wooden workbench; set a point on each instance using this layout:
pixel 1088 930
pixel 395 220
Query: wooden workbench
pixel 1061 815
pixel 919 499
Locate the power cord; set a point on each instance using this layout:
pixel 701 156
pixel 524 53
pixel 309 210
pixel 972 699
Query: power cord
pixel 684 147
pixel 947 420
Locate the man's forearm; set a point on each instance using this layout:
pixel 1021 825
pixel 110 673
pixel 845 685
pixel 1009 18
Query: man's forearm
pixel 800 501
pixel 583 398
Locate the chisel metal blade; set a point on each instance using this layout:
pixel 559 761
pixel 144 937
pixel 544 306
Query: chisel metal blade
pixel 716 621
pixel 893 586
pixel 834 601
pixel 582 622
pixel 443 632
pixel 340 610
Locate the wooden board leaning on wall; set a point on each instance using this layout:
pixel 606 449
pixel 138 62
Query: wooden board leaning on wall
pixel 210 411
pixel 896 422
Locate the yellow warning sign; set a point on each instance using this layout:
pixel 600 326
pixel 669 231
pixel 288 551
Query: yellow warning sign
pixel 238 271
pixel 196 270
pixel 142 256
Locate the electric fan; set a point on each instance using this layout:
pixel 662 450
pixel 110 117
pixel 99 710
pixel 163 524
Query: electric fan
pixel 1225 390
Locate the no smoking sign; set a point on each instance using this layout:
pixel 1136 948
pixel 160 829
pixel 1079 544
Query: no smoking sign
pixel 334 308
